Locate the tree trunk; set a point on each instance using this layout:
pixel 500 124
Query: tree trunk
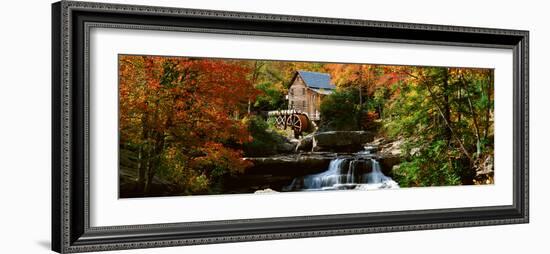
pixel 489 107
pixel 446 106
pixel 459 111
pixel 360 115
pixel 155 160
pixel 448 125
pixel 474 118
pixel 143 153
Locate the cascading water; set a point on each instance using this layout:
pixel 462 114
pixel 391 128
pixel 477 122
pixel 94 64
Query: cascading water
pixel 332 177
pixel 347 173
pixel 376 179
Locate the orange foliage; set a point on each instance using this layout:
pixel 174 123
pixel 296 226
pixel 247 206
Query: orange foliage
pixel 191 104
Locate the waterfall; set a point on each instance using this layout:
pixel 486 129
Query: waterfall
pixel 351 172
pixel 376 179
pixel 376 176
pixel 333 176
pixel 346 173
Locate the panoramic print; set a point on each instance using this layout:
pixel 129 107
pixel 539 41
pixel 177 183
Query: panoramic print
pixel 207 126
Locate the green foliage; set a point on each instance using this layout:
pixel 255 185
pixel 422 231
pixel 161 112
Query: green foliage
pixel 199 184
pixel 339 111
pixel 444 115
pixel 264 140
pixel 271 98
pixel 429 167
pixel 378 101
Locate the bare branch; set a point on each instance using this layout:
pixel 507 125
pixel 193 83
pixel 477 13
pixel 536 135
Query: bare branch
pixel 453 134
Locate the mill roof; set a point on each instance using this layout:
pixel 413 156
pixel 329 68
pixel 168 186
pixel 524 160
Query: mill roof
pixel 316 80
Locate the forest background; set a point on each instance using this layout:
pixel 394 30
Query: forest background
pixel 188 122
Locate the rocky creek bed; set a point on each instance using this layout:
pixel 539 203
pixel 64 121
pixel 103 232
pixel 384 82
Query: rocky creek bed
pixel 307 156
pixel 313 155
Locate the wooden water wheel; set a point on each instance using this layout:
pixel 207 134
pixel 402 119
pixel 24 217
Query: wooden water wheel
pixel 296 120
pixel 298 123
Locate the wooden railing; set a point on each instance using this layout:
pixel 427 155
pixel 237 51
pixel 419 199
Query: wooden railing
pixel 313 117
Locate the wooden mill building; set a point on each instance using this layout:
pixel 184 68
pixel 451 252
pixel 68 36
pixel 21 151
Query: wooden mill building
pixel 306 91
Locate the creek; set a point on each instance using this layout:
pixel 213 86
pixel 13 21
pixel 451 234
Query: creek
pixel 360 171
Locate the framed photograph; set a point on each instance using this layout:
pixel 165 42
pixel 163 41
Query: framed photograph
pixel 181 126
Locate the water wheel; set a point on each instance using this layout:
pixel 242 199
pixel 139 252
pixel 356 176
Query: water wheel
pixel 298 123
pixel 296 120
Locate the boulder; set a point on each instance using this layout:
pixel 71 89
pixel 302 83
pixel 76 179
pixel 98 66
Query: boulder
pixel 389 154
pixel 265 191
pixel 341 141
pixel 305 144
pixel 286 147
pixel 484 169
pixel 387 163
pixel 387 147
pixel 271 143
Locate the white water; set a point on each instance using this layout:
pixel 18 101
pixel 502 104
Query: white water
pixel 376 179
pixel 341 175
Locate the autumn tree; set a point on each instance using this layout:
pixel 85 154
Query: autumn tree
pixel 367 87
pixel 181 117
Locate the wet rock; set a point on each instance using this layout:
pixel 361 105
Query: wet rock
pixel 291 164
pixel 388 162
pixel 388 153
pixel 276 172
pixel 341 141
pixel 361 166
